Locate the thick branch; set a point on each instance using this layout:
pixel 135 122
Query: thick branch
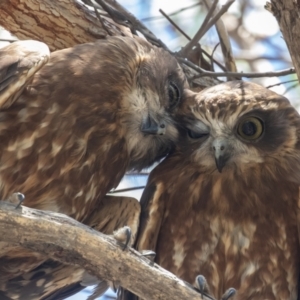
pixel 287 14
pixel 59 24
pixel 68 241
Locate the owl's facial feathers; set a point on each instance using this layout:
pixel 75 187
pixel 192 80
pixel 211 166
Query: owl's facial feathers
pixel 238 125
pixel 153 89
pixel 138 85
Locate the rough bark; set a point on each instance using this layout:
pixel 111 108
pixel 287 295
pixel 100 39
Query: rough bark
pixel 287 14
pixel 59 24
pixel 71 242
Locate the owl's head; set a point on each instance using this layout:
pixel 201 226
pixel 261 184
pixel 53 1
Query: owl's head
pixel 239 125
pixel 153 84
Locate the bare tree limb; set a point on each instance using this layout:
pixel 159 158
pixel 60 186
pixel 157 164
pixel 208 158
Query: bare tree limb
pixel 187 37
pixel 127 189
pixel 71 242
pixel 203 73
pixel 201 31
pixel 224 41
pixel 287 14
pixel 8 40
pixel 212 56
pixel 207 24
pixel 122 16
pixel 59 24
pixel 91 3
pixel 173 13
pixel 174 24
pixel 280 83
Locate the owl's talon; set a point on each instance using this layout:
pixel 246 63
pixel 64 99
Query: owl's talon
pixel 228 294
pixel 202 285
pixel 150 255
pixel 114 287
pixel 123 236
pixel 21 198
pixel 16 198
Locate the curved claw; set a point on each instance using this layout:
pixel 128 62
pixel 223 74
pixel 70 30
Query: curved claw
pixel 202 285
pixel 16 198
pixel 150 255
pixel 123 235
pixel 228 294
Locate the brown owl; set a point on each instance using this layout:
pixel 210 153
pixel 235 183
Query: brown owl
pixel 225 203
pixel 70 131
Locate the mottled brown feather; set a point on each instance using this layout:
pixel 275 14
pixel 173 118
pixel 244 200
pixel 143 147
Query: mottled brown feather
pixel 75 130
pixel 18 63
pixel 238 228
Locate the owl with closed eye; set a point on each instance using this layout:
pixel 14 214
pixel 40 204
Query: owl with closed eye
pixel 72 123
pixel 225 204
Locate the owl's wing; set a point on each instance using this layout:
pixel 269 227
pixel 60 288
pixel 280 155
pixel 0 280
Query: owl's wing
pixel 19 61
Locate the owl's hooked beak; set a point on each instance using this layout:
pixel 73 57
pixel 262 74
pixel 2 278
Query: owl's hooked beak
pixel 221 152
pixel 151 126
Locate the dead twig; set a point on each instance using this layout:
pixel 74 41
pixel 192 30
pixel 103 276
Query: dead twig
pixel 122 16
pixel 224 40
pixel 280 83
pixel 173 13
pixel 189 38
pixel 8 40
pixel 202 30
pixel 212 22
pixel 127 189
pixel 203 72
pixel 91 3
pixel 212 56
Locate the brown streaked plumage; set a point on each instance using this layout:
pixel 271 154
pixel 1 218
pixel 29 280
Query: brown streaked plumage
pixel 52 280
pixel 90 114
pixel 19 61
pixel 225 204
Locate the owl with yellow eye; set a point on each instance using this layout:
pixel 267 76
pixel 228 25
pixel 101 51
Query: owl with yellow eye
pixel 224 205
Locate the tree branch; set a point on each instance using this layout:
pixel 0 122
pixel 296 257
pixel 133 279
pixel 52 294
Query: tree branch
pixel 71 242
pixel 201 31
pixel 203 73
pixel 224 40
pixel 59 24
pixel 287 15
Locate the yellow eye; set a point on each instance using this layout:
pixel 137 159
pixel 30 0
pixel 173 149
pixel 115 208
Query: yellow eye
pixel 250 128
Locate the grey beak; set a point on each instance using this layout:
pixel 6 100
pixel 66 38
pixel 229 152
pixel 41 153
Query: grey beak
pixel 150 126
pixel 220 148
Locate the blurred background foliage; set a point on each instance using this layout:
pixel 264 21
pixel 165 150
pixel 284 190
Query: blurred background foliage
pixel 257 46
pixel 256 40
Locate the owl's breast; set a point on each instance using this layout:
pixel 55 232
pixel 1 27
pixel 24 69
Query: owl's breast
pixel 252 254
